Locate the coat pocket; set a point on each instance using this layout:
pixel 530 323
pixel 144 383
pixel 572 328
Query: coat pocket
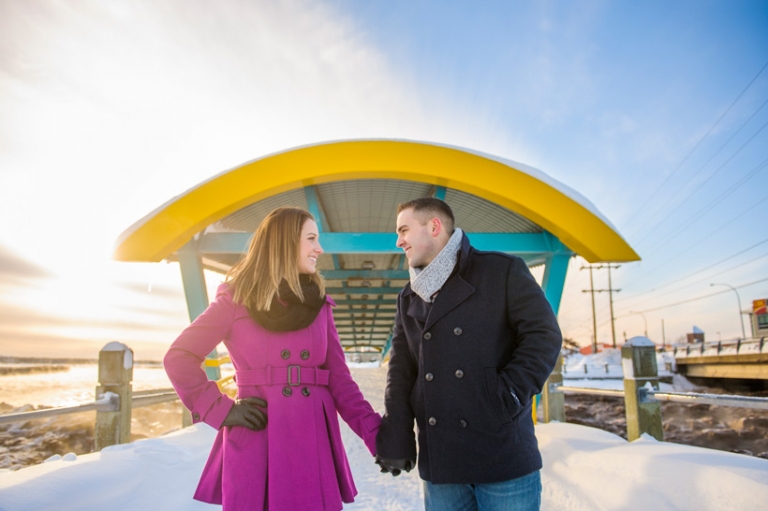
pixel 493 389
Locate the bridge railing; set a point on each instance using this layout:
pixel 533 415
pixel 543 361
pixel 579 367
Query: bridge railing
pixel 735 347
pixel 115 398
pixel 642 396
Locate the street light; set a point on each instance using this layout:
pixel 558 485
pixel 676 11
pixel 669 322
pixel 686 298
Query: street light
pixel 644 321
pixel 738 298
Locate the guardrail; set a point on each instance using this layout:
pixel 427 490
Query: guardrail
pixel 641 394
pixel 115 398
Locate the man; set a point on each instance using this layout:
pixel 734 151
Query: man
pixel 474 340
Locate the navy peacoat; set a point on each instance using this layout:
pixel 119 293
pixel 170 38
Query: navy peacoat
pixel 466 367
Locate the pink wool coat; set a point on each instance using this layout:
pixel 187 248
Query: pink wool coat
pixel 298 461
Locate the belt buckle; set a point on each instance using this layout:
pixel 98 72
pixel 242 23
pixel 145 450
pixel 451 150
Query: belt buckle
pixel 298 376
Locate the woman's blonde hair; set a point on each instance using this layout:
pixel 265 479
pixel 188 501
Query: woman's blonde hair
pixel 273 255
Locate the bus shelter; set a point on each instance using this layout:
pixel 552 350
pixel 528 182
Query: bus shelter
pixel 352 188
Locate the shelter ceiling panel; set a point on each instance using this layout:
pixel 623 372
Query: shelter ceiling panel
pixel 367 205
pixel 475 214
pixel 380 261
pixel 247 219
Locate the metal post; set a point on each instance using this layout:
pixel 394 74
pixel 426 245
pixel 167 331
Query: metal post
pixel 638 360
pixel 738 300
pixel 554 401
pixel 115 375
pixel 610 300
pixel 594 315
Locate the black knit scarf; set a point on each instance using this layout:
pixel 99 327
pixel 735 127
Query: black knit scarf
pixel 291 314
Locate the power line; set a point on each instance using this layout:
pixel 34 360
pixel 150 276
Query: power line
pixel 697 216
pixel 702 297
pixel 653 194
pixel 713 264
pixel 697 281
pixel 704 238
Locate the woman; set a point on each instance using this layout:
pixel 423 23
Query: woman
pixel 279 445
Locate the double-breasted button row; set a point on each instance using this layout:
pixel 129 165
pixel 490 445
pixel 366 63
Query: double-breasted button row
pixel 456 331
pixel 459 374
pixel 286 354
pixel 288 391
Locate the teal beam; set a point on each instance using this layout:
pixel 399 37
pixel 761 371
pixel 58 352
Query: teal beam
pixel 384 243
pixel 196 293
pixel 366 302
pixel 363 290
pixel 554 278
pixel 317 211
pixel 366 274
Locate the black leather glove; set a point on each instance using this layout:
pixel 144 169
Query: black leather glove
pixel 394 467
pixel 245 413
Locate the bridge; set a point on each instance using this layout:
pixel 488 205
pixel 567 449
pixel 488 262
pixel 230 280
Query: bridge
pixel 735 360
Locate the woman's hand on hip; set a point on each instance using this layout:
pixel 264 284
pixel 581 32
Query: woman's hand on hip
pixel 246 412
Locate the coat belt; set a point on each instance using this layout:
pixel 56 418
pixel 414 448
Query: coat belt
pixel 290 375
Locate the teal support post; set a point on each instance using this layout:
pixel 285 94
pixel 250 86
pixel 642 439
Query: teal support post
pixel 554 278
pixel 439 192
pixel 196 294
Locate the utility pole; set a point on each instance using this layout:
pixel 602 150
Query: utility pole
pixel 610 300
pixel 592 292
pixel 610 292
pixel 663 336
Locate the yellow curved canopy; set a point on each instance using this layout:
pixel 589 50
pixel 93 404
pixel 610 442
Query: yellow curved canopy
pixel 514 186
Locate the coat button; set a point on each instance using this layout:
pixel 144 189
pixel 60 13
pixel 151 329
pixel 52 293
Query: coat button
pixel 196 416
pixel 457 331
pixel 304 354
pixel 462 423
pixel 429 376
pixel 459 373
pixel 285 354
pixel 287 391
pixel 427 336
pixel 305 391
pixel 432 421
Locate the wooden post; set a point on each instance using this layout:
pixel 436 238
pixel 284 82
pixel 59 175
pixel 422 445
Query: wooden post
pixel 638 360
pixel 554 402
pixel 186 417
pixel 115 375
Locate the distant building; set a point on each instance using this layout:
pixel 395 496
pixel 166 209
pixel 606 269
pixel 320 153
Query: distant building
pixel 587 350
pixel 759 318
pixel 696 336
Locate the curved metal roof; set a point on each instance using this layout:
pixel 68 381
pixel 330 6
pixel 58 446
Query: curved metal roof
pixel 513 186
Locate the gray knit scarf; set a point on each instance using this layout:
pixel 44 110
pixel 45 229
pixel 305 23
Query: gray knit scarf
pixel 425 282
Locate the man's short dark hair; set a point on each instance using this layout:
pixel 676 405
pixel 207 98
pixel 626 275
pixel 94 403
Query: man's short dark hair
pixel 431 206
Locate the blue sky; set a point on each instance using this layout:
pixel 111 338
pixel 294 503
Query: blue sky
pixel 651 110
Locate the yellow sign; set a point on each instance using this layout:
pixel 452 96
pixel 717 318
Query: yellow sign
pixel 760 306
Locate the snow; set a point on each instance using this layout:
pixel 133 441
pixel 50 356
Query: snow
pixel 584 469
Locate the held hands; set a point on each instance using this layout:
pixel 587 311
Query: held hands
pixel 245 413
pixel 394 467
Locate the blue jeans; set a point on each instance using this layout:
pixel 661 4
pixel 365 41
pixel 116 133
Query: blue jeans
pixel 521 494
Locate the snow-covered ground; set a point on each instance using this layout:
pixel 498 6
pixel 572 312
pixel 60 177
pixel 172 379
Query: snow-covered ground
pixel 584 469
